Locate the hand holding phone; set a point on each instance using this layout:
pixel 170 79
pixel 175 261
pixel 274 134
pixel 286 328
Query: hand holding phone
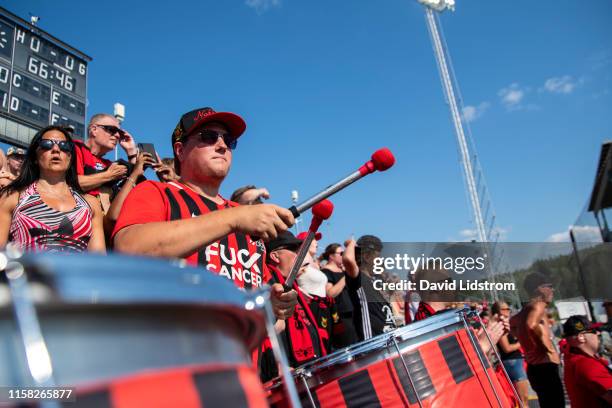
pixel 150 149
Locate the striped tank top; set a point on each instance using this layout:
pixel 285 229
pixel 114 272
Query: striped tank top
pixel 37 227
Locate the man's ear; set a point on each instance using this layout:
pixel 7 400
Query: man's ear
pixel 274 257
pixel 179 151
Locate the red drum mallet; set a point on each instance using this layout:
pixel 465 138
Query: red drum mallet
pixel 320 211
pixel 381 160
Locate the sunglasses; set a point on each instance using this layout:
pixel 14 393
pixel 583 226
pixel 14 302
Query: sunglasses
pixel 110 129
pixel 64 145
pixel 210 137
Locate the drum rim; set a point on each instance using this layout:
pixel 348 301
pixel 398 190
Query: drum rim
pixel 347 354
pixel 80 279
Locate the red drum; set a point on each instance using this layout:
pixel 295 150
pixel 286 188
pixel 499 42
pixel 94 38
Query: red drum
pixel 128 332
pixel 440 365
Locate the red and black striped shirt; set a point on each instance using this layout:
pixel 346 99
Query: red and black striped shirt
pixel 87 163
pixel 235 256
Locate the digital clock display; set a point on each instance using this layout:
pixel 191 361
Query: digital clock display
pixel 42 80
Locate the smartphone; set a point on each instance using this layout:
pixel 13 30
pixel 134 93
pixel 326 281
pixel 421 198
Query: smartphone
pixel 148 148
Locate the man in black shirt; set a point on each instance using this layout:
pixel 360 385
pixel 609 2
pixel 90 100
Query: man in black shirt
pixel 344 333
pixel 372 313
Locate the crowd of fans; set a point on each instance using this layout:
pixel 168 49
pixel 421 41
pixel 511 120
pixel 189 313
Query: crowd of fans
pixel 63 195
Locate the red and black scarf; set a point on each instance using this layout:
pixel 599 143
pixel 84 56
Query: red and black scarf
pixel 298 337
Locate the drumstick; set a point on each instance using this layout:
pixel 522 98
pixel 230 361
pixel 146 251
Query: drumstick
pixel 381 160
pixel 320 211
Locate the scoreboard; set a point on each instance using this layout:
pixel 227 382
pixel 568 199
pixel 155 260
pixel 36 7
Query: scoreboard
pixel 43 81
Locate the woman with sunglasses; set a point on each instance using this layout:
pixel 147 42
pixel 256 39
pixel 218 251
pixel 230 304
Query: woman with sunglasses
pixel 43 209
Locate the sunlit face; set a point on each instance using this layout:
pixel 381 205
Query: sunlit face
pixel 336 257
pixel 547 292
pixel 284 259
pixel 314 246
pixel 103 137
pixel 504 310
pixel 53 159
pixel 202 160
pixel 14 162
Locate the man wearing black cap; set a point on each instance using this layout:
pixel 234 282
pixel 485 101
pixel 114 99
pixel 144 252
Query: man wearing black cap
pixel 189 219
pixel 372 313
pixel 303 338
pixel 531 328
pixel 587 376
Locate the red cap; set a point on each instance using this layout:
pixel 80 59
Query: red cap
pixel 302 236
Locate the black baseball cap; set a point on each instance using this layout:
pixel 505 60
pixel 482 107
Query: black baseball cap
pixel 370 242
pixel 284 240
pixel 577 324
pixel 533 280
pixel 195 119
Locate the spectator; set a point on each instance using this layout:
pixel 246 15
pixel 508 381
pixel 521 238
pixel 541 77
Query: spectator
pixel 5 176
pixel 303 338
pixel 250 195
pixel 372 312
pixel 110 219
pixel 511 356
pixel 99 175
pixel 165 171
pixel 14 160
pixel 189 219
pixel 344 334
pixel 313 283
pixel 43 209
pixel 587 376
pixel 531 328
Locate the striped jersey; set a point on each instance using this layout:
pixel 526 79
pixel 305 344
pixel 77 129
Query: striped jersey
pixel 235 256
pixel 87 163
pixel 37 227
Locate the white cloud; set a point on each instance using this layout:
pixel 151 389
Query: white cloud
pixel 512 96
pixel 262 5
pixel 561 85
pixel 582 233
pixel 559 237
pixel 471 113
pixel 471 234
pixel 468 234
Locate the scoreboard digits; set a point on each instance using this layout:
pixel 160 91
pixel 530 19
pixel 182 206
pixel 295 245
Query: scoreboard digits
pixel 42 80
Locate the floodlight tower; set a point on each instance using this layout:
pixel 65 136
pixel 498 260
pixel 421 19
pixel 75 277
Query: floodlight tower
pixel 452 93
pixel 484 216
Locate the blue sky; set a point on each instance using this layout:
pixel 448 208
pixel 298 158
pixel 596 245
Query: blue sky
pixel 322 84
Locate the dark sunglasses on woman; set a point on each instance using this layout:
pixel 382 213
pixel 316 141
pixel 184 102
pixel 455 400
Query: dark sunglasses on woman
pixel 210 137
pixel 47 144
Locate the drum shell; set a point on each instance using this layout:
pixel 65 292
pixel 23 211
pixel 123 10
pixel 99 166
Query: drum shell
pixel 443 364
pixel 92 343
pixel 129 331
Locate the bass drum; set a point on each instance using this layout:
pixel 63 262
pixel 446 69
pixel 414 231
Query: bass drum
pixel 436 362
pixel 128 332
